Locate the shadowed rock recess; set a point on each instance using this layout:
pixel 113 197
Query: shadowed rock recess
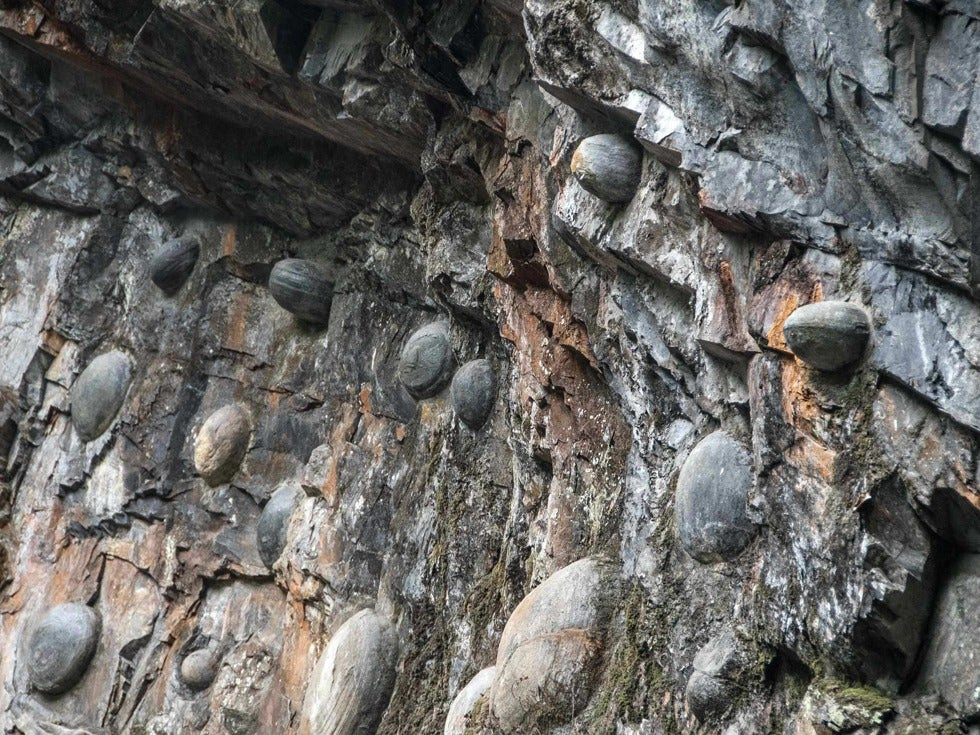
pixel 489 367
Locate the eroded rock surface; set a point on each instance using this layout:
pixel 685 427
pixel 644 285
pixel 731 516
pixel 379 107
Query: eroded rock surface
pixel 437 162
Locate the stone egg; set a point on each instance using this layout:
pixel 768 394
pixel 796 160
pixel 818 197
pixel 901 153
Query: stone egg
pixel 712 489
pixel 270 533
pixel 61 647
pixel 221 444
pixel 301 288
pixel 713 683
pixel 172 265
pixel 352 681
pixel 472 393
pixel 828 335
pixel 551 645
pixel 426 361
pixel 98 394
pixel 608 166
pixel 467 700
pixel 198 669
pixel 546 680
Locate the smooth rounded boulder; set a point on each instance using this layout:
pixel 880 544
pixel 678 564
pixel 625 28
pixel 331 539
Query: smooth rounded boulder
pixel 426 362
pixel 62 646
pixel 608 166
pixel 472 393
pixel 551 646
pixel 172 265
pixel 712 490
pixel 302 289
pixel 221 444
pixel 198 669
pixel 352 681
pixel 714 682
pixel 465 703
pixel 270 532
pixel 828 335
pixel 99 393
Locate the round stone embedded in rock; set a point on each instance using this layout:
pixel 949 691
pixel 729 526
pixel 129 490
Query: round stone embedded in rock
pixel 98 394
pixel 608 166
pixel 301 288
pixel 62 646
pixel 221 444
pixel 713 683
pixel 465 703
pixel 270 533
pixel 472 393
pixel 173 264
pixel 352 681
pixel 828 335
pixel 198 669
pixel 426 362
pixel 712 489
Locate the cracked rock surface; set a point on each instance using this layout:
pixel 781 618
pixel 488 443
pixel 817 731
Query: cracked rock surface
pixel 159 158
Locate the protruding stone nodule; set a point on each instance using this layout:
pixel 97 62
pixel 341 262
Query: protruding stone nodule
pixel 608 166
pixel 563 622
pixel 467 700
pixel 712 490
pixel 62 646
pixel 714 682
pixel 301 288
pixel 270 533
pixel 173 264
pixel 352 681
pixel 426 363
pixel 98 394
pixel 472 393
pixel 221 444
pixel 828 335
pixel 198 669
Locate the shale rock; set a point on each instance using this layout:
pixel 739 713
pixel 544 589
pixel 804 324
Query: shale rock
pixel 173 264
pixel 608 166
pixel 98 394
pixel 198 669
pixel 551 645
pixel 62 646
pixel 301 288
pixel 221 444
pixel 472 393
pixel 467 700
pixel 352 681
pixel 270 533
pixel 712 490
pixel 828 335
pixel 950 665
pixel 426 361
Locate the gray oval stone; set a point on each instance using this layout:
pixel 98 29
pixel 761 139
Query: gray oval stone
pixel 469 697
pixel 472 393
pixel 198 669
pixel 98 394
pixel 270 533
pixel 62 646
pixel 301 288
pixel 172 265
pixel 712 488
pixel 426 361
pixel 608 166
pixel 714 682
pixel 221 444
pixel 828 335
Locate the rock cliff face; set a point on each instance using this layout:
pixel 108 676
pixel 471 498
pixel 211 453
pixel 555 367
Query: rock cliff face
pixel 613 205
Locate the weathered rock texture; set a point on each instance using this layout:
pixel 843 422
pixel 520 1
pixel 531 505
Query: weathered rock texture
pixel 420 154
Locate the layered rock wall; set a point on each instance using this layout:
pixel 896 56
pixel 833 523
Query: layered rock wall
pixel 626 300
